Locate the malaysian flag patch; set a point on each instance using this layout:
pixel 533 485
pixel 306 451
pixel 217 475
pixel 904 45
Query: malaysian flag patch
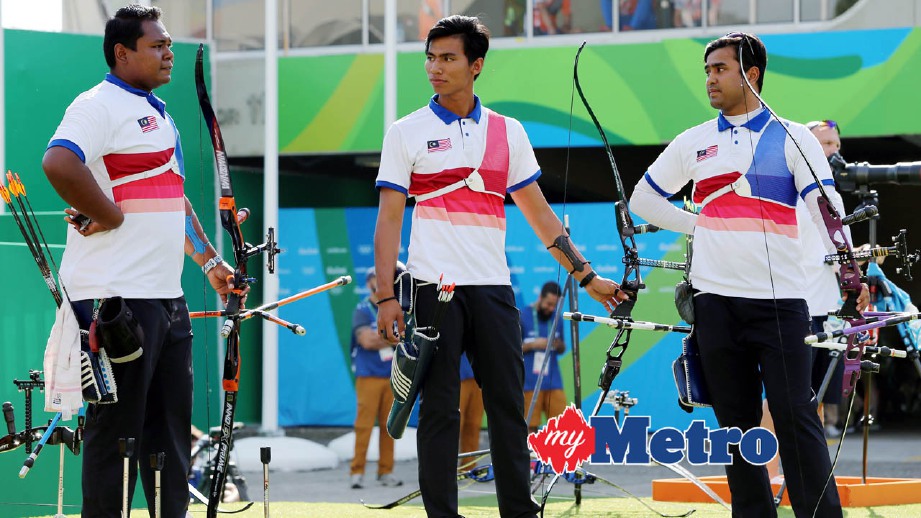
pixel 439 145
pixel 148 123
pixel 704 154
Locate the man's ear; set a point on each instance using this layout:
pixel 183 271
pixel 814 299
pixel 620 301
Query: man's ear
pixel 477 66
pixel 121 53
pixel 753 74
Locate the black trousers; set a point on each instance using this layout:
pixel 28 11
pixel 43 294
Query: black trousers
pixel 745 343
pixel 154 407
pixel 484 322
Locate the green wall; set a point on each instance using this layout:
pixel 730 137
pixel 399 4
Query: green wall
pixel 44 72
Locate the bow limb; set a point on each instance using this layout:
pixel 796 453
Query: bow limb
pixel 632 281
pixel 227 204
pixel 230 223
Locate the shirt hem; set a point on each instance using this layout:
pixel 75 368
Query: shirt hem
pixel 87 294
pixel 746 293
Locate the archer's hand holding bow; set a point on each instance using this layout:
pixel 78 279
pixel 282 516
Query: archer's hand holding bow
pixel 605 291
pixel 863 300
pixel 221 279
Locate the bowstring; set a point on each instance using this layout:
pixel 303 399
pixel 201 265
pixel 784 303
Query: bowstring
pixel 559 268
pixel 783 357
pixel 204 287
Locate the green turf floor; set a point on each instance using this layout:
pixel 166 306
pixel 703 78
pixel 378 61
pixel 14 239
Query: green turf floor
pixel 485 507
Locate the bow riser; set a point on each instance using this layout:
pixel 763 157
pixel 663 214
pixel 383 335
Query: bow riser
pixel 849 281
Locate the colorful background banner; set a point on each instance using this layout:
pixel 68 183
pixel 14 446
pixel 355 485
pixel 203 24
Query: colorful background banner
pixel 642 93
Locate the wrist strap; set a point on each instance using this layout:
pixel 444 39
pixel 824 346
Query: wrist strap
pixel 587 279
pixel 214 261
pixel 386 300
pixel 582 267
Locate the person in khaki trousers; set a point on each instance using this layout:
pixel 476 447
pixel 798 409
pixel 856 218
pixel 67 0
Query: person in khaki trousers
pixel 471 413
pixel 371 357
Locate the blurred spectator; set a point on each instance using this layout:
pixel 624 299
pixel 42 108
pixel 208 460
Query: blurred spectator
pixel 689 12
pixel 607 14
pixel 637 15
pixel 513 24
pixel 552 17
pixel 429 14
pixel 536 320
pixel 371 357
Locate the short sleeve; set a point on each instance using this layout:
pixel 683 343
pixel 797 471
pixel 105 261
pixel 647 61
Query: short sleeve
pixel 667 175
pixel 812 149
pixel 525 321
pixel 361 317
pixel 522 164
pixel 83 130
pixel 396 166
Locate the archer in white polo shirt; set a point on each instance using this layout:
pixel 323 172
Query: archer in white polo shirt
pixel 747 270
pixel 116 159
pixel 458 160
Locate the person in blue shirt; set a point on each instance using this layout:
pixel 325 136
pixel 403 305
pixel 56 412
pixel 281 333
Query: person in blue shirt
pixel 535 327
pixel 371 358
pixel 637 15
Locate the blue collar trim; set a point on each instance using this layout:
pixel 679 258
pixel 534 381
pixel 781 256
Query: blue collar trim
pixel 755 124
pixel 152 99
pixel 448 116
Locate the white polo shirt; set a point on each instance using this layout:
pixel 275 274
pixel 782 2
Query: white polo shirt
pixel 119 131
pixel 462 233
pixel 746 241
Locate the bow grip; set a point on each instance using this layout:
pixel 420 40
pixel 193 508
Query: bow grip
pixel 849 309
pixel 608 372
pixel 235 296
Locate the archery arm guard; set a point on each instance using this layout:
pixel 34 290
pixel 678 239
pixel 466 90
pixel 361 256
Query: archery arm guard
pixel 564 245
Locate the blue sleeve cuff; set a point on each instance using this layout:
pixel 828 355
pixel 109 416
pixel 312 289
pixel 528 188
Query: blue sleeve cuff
pixel 69 145
pixel 399 188
pixel 656 187
pixel 524 183
pixel 814 186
